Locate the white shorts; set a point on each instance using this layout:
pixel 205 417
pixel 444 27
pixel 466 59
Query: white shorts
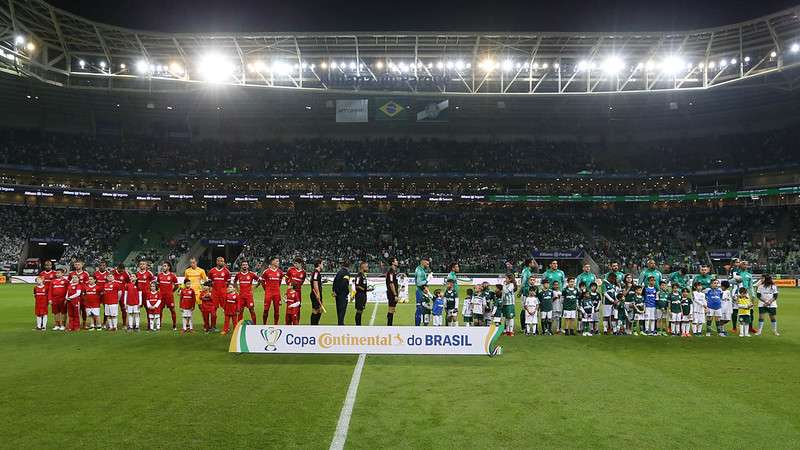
pixel 609 311
pixel 675 317
pixel 595 316
pixel 640 316
pixel 187 313
pixel 570 314
pixel 153 316
pixel 530 318
pixel 659 314
pixel 699 318
pixel 546 315
pixel 92 312
pixel 132 309
pixel 714 313
pixel 727 311
pixel 649 313
pixel 111 310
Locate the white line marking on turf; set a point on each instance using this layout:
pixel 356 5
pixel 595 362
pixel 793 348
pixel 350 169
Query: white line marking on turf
pixel 340 436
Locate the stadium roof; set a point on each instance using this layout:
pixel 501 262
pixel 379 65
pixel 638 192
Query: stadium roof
pixel 40 40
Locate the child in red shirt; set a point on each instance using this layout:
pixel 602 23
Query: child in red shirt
pixel 40 298
pixel 74 304
pixel 231 307
pixel 207 308
pixel 57 296
pixel 153 306
pixel 110 302
pixel 292 305
pixel 187 301
pixel 91 304
pixel 132 304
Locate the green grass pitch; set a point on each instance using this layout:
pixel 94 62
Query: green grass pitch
pixel 91 390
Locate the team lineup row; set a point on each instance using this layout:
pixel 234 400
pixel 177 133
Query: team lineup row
pixel 550 304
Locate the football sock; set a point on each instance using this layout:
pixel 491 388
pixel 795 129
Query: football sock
pixel 774 324
pixel 510 325
pixel 760 325
pixel 130 321
pixel 358 317
pixel 172 313
pixel 213 322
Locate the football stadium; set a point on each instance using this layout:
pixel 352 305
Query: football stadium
pixel 398 239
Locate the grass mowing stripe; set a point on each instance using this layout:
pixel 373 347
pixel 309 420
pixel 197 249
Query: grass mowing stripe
pixel 340 436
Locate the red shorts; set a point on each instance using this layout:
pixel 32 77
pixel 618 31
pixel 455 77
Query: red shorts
pixel 167 300
pixel 218 298
pixel 246 301
pixel 231 308
pixel 207 307
pixel 272 297
pixel 40 309
pixel 59 306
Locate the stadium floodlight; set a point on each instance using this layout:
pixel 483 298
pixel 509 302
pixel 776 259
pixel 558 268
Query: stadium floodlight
pixel 649 65
pixel 450 65
pixel 323 65
pixel 260 66
pixel 19 40
pixel 469 65
pixel 773 54
pixel 733 61
pixel 544 66
pixel 536 66
pixel 459 65
pixel 711 65
pixel 672 65
pixel 508 65
pixel 582 66
pixel 379 65
pixel 30 46
pixel 281 68
pixel 82 63
pixel 352 65
pixel 487 64
pixel 689 66
pixel 102 64
pixel 557 65
pixel 141 66
pixel 439 65
pixel 429 66
pixel 176 69
pixel 701 64
pixel 613 65
pixel 123 66
pixel 723 62
pixel 215 68
pixel 795 48
pixel 747 59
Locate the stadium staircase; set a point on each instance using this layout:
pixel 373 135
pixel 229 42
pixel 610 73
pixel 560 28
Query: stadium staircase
pixel 195 251
pixel 152 237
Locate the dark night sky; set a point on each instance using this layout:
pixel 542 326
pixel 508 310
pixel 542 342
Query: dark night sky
pixel 377 15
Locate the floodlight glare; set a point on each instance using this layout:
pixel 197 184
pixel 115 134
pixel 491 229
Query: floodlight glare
pixel 352 65
pixel 102 64
pixel 30 47
pixel 122 66
pixel 672 65
pixel 733 61
pixel 176 69
pixel 711 64
pixel 613 65
pixel 773 54
pixel 450 65
pixel 141 66
pixel 747 59
pixel 19 40
pixel 324 65
pixel 459 65
pixel 82 63
pixel 544 66
pixel 214 68
pixel 379 65
pixel 535 66
pixel 508 65
pixel 583 65
pixel 795 48
pixel 649 65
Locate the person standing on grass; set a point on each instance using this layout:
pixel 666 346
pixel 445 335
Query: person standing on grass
pixel 453 275
pixel 392 291
pixel 650 271
pixel 420 281
pixel 316 292
pixel 196 276
pixel 743 277
pixel 341 290
pixel 361 291
pixel 187 304
pixel 74 292
pixel 527 272
pixel 40 304
pixel 570 297
pixel 245 281
pixel 557 281
pixel 767 294
pixel 744 305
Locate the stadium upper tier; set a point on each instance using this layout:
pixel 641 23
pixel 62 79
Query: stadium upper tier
pixel 46 42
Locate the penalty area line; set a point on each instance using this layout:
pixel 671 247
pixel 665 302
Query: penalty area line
pixel 340 436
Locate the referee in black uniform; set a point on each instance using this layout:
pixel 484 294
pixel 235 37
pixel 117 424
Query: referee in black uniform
pixel 361 290
pixel 392 288
pixel 316 292
pixel 341 289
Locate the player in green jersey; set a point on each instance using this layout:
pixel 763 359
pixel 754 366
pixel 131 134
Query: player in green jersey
pixel 662 306
pixel 675 311
pixel 650 271
pixel 546 307
pixel 570 306
pixel 704 278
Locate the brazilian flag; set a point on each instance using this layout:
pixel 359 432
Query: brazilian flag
pixel 390 109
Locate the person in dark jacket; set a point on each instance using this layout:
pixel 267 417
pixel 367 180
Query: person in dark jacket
pixel 341 290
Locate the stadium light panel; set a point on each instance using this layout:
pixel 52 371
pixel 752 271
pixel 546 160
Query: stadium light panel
pixel 323 65
pixel 439 65
pixel 747 59
pixel 733 61
pixel 459 65
pixel 281 68
pixel 773 54
pixel 557 65
pixel 711 64
pixel 352 65
pixel 672 65
pixel 508 65
pixel 723 62
pixel 536 66
pixel 214 68
pixel 649 65
pixel 544 66
pixel 613 65
pixel 123 66
pixel 141 67
pixel 450 65
pixel 795 48
pixel 582 66
pixel 82 63
pixel 469 65
pixel 102 64
pixel 19 40
pixel 30 46
pixel 176 69
pixel 379 65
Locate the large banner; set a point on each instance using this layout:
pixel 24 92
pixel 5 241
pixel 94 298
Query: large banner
pixel 558 254
pixel 352 111
pixel 249 338
pixel 389 109
pixel 433 111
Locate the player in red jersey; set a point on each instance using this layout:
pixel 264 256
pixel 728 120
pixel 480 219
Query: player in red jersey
pixel 167 285
pixel 206 308
pixel 220 277
pixel 271 281
pixel 74 291
pixel 111 290
pixel 296 275
pixel 144 278
pixel 231 308
pixel 246 281
pixel 91 304
pixel 83 279
pixel 41 300
pixel 58 299
pixel 122 277
pixel 187 302
pixel 133 301
pixel 154 305
pixel 100 274
pixel 292 305
pixel 47 274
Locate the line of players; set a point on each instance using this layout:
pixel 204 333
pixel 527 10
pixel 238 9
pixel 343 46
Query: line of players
pixel 653 305
pixel 79 300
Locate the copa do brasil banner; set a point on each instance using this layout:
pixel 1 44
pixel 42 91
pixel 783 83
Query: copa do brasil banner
pixel 249 338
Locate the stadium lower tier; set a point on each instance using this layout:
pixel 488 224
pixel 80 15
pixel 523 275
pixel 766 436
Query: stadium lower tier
pixel 480 238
